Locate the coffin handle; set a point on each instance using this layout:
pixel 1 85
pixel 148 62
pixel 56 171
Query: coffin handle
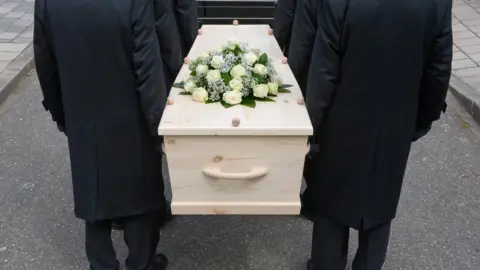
pixel 254 172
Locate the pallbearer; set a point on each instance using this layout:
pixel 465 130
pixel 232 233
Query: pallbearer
pixel 101 74
pixel 378 79
pixel 283 22
pixel 295 25
pixel 187 21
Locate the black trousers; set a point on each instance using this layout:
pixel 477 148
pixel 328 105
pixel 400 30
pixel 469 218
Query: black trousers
pixel 141 234
pixel 330 246
pixel 307 198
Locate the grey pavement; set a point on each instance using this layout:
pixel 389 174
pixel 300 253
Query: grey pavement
pixel 16 35
pixel 438 224
pixel 465 81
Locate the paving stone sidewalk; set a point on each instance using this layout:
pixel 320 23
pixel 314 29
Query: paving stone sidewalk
pixel 466 28
pixel 465 82
pixel 16 36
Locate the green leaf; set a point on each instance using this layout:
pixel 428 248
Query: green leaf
pixel 284 86
pixel 193 73
pixel 184 94
pixel 179 85
pixel 226 78
pixel 249 102
pixel 265 99
pixel 272 95
pixel 260 78
pixel 281 90
pixel 225 105
pixel 237 50
pixel 210 102
pixel 263 59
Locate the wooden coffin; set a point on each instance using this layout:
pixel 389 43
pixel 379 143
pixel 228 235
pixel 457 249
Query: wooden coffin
pixel 252 169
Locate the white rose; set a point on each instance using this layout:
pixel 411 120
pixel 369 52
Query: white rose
pixel 189 86
pixel 216 51
pixel 236 85
pixel 213 76
pixel 260 69
pixel 237 71
pixel 272 88
pixel 201 69
pixel 231 44
pixel 260 90
pixel 250 58
pixel 232 97
pixel 217 61
pixel 204 55
pixel 200 94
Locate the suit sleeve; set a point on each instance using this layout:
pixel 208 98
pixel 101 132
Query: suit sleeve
pixel 168 38
pixel 46 65
pixel 283 22
pixel 324 71
pixel 436 75
pixel 188 23
pixel 147 62
pixel 303 36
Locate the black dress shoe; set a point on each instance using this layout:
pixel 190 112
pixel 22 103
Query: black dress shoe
pixel 161 262
pixel 310 265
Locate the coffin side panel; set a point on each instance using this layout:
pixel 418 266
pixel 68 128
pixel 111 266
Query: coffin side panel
pixel 238 158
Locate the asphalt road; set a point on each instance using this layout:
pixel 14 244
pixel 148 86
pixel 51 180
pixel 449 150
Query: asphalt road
pixel 438 224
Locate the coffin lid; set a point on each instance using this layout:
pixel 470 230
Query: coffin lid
pixel 285 117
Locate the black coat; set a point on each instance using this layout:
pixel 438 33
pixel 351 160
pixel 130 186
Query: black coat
pixel 100 70
pixel 168 39
pixel 302 37
pixel 379 69
pixel 283 22
pixel 187 21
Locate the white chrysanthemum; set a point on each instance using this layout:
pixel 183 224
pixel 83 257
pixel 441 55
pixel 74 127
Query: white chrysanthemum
pixel 232 97
pixel 189 86
pixel 200 94
pixel 272 88
pixel 260 90
pixel 260 69
pixel 201 69
pixel 236 85
pixel 250 58
pixel 237 71
pixel 213 75
pixel 217 61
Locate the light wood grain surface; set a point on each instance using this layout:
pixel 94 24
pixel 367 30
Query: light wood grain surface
pixel 235 175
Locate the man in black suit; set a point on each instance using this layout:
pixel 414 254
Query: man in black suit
pixel 378 78
pixel 101 74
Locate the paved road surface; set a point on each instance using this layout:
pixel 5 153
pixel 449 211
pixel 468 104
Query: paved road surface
pixel 438 225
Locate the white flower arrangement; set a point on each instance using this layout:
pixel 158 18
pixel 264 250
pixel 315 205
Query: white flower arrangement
pixel 233 74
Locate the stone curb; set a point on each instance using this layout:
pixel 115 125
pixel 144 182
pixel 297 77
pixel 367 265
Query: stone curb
pixel 15 72
pixel 467 95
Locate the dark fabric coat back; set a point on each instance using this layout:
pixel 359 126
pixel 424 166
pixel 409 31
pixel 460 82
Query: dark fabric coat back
pixel 100 70
pixel 378 68
pixel 187 21
pixel 283 23
pixel 302 38
pixel 168 39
